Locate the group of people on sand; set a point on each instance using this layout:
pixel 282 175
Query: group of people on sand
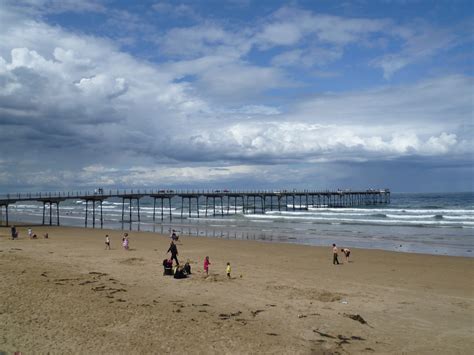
pixel 31 235
pixel 345 251
pixel 182 272
pixel 125 242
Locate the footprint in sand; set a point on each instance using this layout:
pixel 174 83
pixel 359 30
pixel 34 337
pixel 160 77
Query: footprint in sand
pixel 254 313
pixel 133 261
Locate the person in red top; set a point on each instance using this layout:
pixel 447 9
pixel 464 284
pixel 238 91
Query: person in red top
pixel 334 255
pixel 206 265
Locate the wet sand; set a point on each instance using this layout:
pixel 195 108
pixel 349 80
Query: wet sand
pixel 67 294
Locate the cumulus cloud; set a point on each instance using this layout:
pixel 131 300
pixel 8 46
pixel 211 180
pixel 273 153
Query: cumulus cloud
pixel 207 112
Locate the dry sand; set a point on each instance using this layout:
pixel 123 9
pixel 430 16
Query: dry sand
pixel 69 295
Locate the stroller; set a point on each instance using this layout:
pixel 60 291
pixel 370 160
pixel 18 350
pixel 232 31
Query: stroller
pixel 168 267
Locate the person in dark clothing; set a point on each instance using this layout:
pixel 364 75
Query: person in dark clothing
pixel 174 252
pixel 14 233
pixel 335 261
pixel 179 273
pixel 187 268
pixel 167 267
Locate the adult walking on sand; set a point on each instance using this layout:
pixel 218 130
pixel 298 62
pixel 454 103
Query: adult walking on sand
pixel 334 255
pixel 174 252
pixel 14 233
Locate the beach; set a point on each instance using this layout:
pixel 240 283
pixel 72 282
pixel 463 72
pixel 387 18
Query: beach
pixel 67 294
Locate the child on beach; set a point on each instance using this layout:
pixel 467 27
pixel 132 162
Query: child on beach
pixel 334 255
pixel 346 252
pixel 228 270
pixel 206 265
pixel 125 241
pixel 107 242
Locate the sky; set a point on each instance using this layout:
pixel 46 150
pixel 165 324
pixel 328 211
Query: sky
pixel 236 94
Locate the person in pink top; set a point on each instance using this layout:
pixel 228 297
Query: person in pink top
pixel 206 265
pixel 125 242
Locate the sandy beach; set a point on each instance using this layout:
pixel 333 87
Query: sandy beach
pixel 67 294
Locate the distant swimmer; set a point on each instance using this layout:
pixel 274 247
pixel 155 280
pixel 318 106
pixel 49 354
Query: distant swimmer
pixel 346 252
pixel 334 255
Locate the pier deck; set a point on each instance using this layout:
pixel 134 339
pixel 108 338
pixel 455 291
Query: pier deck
pixel 219 201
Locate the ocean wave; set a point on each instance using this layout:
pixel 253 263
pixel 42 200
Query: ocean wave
pixel 366 221
pixel 395 210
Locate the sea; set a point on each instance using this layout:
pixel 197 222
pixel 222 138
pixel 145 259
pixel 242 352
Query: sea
pixel 428 223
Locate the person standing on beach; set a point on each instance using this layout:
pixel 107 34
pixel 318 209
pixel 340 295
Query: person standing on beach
pixel 346 252
pixel 125 241
pixel 14 233
pixel 107 242
pixel 206 265
pixel 174 252
pixel 30 233
pixel 228 270
pixel 334 255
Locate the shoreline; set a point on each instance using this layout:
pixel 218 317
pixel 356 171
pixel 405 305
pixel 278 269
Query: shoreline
pixel 397 249
pixel 77 297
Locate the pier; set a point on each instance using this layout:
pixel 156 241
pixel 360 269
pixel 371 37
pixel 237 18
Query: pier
pixel 216 202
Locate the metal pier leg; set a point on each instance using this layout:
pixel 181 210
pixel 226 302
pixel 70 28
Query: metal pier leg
pixel 228 204
pixel 254 205
pixel 6 214
pixel 130 210
pixel 154 208
pixel 279 203
pixel 171 216
pixel 207 198
pixel 138 204
pixel 294 207
pixel 123 209
pixel 162 209
pixel 214 206
pixel 93 214
pixel 57 213
pixel 262 200
pixel 182 206
pixel 101 216
pixel 50 214
pixel 222 206
pixel 197 205
pixel 87 211
pixel 189 204
pixel 44 211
